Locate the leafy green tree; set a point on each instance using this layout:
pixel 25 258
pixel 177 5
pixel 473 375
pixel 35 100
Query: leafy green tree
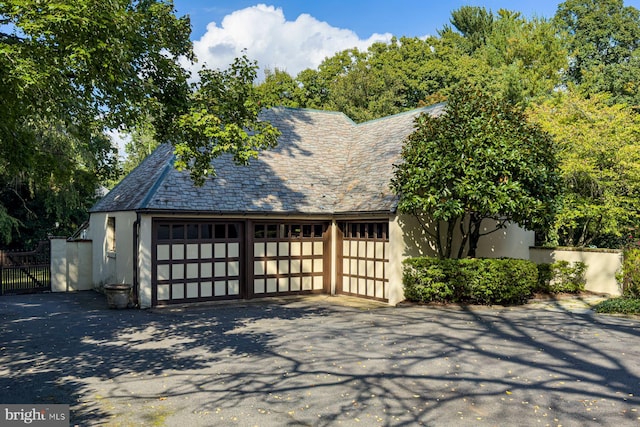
pixel 70 70
pixel 479 160
pixel 603 38
pixel 516 58
pixel 313 89
pixel 222 118
pixel 599 155
pixel 279 88
pixel 525 57
pixel 474 23
pixel 143 142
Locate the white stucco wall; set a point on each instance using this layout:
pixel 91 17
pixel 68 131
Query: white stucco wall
pixel 58 264
pixel 602 265
pixel 71 265
pixel 112 267
pixel 408 239
pixel 397 253
pixel 80 266
pixel 144 262
pixel 512 241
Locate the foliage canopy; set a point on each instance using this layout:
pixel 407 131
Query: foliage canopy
pixel 480 160
pixel 599 155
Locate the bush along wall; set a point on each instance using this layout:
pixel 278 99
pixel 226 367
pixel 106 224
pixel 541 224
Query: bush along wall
pixel 561 277
pixel 631 274
pixel 629 303
pixel 470 281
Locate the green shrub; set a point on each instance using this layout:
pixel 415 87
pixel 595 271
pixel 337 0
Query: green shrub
pixel 631 273
pixel 428 280
pixel 475 281
pixel 545 275
pixel 561 276
pixel 619 305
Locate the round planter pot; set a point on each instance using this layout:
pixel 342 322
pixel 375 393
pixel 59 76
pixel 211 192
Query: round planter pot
pixel 117 295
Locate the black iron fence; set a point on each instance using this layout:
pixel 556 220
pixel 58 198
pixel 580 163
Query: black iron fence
pixel 26 271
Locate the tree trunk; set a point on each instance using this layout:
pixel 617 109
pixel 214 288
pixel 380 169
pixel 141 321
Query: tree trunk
pixel 464 232
pixel 475 221
pixel 451 226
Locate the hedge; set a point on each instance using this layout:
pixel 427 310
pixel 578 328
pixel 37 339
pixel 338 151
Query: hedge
pixel 561 276
pixel 631 273
pixel 472 280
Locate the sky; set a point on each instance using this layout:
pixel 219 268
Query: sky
pixel 293 35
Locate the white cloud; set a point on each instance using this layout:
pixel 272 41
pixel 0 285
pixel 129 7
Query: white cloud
pixel 274 42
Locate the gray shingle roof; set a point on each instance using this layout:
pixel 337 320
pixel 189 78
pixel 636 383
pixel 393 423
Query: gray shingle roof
pixel 324 164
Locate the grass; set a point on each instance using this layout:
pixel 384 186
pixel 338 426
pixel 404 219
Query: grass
pixel 16 279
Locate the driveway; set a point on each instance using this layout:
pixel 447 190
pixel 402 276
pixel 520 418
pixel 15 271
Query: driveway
pixel 320 361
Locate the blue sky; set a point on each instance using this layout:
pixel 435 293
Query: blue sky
pixel 398 17
pixel 292 35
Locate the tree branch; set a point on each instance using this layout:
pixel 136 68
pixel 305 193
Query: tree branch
pixel 499 226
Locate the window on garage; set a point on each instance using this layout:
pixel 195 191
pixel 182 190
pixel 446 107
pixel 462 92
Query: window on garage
pixel 196 261
pixel 289 258
pixel 365 259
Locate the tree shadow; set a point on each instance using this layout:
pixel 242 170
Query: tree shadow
pixel 300 175
pixel 318 363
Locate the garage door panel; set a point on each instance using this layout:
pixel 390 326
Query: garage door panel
pixel 365 260
pixel 192 290
pixel 206 250
pixel 196 261
pixel 206 289
pixel 288 258
pixel 163 252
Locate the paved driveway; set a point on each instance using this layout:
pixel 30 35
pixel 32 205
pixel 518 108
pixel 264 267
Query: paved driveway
pixel 320 362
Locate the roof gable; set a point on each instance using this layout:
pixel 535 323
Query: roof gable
pixel 324 163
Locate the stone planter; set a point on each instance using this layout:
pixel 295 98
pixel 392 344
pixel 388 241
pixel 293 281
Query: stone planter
pixel 118 295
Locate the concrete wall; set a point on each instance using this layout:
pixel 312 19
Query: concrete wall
pixel 71 265
pixel 408 239
pixel 58 264
pixel 112 266
pixel 144 262
pixel 602 265
pixel 512 241
pixel 399 250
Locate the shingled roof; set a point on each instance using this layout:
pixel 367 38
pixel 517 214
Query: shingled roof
pixel 324 164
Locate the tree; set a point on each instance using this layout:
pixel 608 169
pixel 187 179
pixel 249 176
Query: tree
pixel 142 143
pixel 279 88
pixel 474 23
pixel 599 155
pixel 603 38
pixel 479 160
pixel 71 70
pixel 222 118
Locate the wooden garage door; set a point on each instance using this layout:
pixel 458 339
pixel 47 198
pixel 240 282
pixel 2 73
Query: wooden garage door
pixel 196 261
pixel 365 260
pixel 289 258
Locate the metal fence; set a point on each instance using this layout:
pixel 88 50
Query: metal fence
pixel 26 271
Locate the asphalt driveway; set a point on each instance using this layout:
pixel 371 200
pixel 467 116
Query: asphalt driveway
pixel 320 362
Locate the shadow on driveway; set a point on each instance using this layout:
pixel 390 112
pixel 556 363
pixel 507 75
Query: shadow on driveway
pixel 319 362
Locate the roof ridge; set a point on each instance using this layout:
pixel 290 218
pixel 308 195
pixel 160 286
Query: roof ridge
pixel 403 113
pixel 315 110
pixel 154 188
